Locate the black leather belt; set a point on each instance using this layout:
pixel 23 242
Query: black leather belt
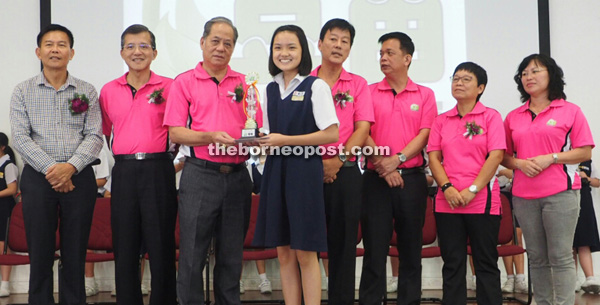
pixel 224 168
pixel 411 171
pixel 145 156
pixel 405 171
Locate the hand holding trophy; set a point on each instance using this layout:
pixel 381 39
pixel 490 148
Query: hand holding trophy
pixel 251 105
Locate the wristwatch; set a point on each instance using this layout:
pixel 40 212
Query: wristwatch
pixel 473 189
pixel 343 157
pixel 446 186
pixel 402 157
pixel 555 156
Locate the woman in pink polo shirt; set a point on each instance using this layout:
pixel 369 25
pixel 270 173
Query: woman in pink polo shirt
pixel 469 139
pixel 547 137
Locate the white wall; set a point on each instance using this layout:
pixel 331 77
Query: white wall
pixel 19 20
pixel 575 45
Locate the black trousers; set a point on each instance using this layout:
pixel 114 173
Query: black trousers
pixel 342 208
pixel 212 205
pixel 404 210
pixel 482 233
pixel 42 208
pixel 144 207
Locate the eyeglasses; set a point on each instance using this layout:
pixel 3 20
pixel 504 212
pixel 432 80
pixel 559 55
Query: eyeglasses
pixel 142 46
pixel 465 79
pixel 533 72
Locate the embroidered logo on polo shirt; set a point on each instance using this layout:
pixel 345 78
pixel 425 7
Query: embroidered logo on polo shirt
pixel 298 96
pixel 551 122
pixel 414 107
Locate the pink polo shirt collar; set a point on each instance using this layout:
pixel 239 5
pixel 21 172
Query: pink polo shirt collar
pixel 384 85
pixel 478 109
pixel 553 104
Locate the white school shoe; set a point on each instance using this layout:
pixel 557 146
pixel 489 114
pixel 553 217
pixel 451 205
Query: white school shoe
pixel 144 289
pixel 242 289
pixel 4 289
pixel 265 286
pixel 509 285
pixel 591 286
pixel 473 283
pixel 392 285
pixel 521 286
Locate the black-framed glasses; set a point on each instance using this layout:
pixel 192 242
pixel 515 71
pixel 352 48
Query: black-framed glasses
pixel 465 79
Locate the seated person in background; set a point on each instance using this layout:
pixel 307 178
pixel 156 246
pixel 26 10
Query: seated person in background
pixel 102 172
pixel 513 283
pixel 586 233
pixel 255 166
pixel 9 175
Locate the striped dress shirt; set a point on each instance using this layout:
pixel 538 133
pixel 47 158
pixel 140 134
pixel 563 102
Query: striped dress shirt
pixel 44 130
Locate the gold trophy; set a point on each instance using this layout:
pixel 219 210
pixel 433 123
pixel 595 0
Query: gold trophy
pixel 251 105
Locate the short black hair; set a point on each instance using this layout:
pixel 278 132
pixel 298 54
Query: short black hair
pixel 338 23
pixel 556 84
pixel 52 28
pixel 208 26
pixel 406 44
pixel 305 61
pixel 477 70
pixel 136 29
pixel 7 150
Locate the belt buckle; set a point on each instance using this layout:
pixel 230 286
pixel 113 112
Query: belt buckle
pixel 399 171
pixel 140 156
pixel 225 169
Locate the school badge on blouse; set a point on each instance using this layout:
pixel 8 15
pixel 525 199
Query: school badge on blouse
pixel 251 105
pixel 298 96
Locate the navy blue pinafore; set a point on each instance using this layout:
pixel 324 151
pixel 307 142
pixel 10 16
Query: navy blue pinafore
pixel 291 210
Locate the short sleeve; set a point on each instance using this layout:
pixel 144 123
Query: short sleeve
pixel 102 170
pixel 429 108
pixel 265 112
pixel 323 106
pixel 581 134
pixel 177 109
pixel 508 136
pixel 435 136
pixel 594 173
pixel 11 173
pixel 363 103
pixel 106 121
pixel 496 137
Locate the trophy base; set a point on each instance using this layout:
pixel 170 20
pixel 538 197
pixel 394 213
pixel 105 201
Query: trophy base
pixel 250 133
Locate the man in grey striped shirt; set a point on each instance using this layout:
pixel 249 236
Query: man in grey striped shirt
pixel 55 120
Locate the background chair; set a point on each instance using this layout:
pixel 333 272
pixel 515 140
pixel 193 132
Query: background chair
pixel 100 233
pixel 16 240
pixel 252 253
pixel 507 233
pixel 429 237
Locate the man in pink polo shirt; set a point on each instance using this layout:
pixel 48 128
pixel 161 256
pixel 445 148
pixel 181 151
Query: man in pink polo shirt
pixel 215 188
pixel 342 177
pixel 395 187
pixel 144 199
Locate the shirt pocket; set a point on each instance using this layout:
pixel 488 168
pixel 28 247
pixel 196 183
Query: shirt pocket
pixel 76 121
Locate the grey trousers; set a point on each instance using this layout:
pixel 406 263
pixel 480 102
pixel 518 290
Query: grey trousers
pixel 548 226
pixel 212 204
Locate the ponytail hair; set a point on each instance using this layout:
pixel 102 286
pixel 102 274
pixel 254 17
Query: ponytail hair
pixel 7 149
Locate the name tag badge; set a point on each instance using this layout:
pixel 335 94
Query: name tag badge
pixel 298 96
